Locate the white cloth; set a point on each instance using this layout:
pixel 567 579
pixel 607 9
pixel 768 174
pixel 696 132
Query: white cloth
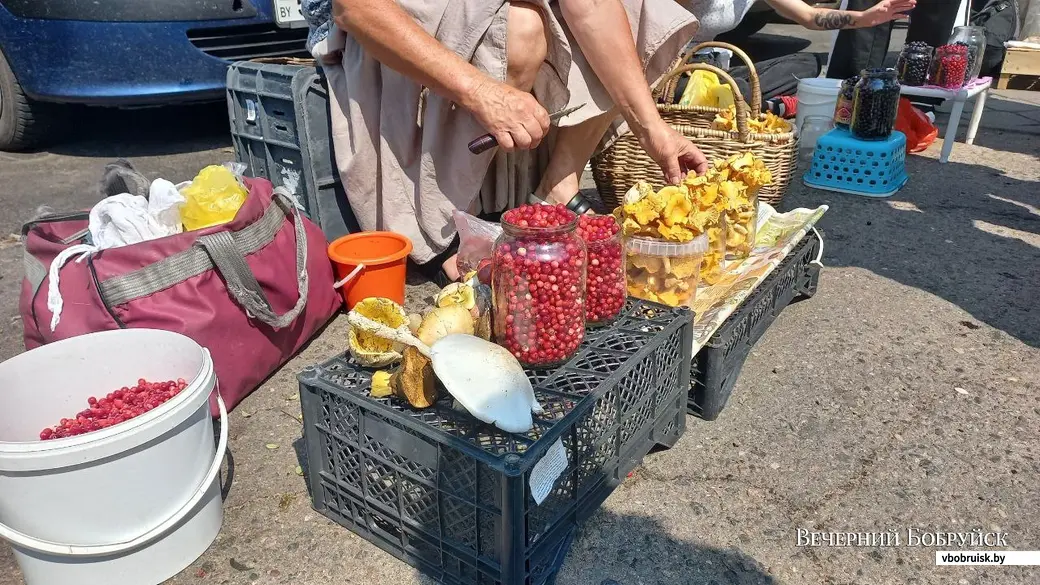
pixel 116 221
pixel 128 219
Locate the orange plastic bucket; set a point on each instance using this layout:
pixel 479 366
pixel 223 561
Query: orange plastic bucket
pixel 382 258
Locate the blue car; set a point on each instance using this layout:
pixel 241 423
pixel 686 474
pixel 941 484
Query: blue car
pixel 128 53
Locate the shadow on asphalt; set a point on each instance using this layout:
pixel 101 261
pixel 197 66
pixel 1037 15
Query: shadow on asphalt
pixel 613 549
pixel 1007 137
pixel 958 231
pixel 114 133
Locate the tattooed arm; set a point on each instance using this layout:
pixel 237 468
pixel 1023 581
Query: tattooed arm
pixel 826 19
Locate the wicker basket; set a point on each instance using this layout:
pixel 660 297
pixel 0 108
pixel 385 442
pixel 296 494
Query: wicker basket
pixel 624 163
pixel 702 116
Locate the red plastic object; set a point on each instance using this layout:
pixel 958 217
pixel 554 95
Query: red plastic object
pixel 919 130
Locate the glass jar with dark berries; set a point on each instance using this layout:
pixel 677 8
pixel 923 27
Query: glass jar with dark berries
pixel 972 38
pixel 605 278
pixel 538 281
pixel 914 61
pixel 875 104
pixel 949 67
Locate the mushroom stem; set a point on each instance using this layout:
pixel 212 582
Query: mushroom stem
pixel 400 334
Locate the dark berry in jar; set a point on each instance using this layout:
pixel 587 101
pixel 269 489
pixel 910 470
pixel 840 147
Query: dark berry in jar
pixel 118 406
pixel 875 104
pixel 538 273
pixel 914 62
pixel 605 281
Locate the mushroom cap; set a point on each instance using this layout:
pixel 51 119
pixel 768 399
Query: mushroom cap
pixel 486 380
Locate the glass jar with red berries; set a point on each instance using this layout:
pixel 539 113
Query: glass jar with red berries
pixel 973 39
pixel 605 278
pixel 949 67
pixel 538 273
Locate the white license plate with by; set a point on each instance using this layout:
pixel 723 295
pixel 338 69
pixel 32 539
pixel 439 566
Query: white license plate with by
pixel 287 13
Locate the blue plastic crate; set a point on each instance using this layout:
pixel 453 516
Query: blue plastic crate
pixel 844 163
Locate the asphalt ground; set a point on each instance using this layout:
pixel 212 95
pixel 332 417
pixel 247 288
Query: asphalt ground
pixel 904 395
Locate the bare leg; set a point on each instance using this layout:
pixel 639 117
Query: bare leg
pixel 527 45
pixel 572 151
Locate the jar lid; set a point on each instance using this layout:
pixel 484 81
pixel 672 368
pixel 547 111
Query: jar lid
pixel 652 247
pixel 879 72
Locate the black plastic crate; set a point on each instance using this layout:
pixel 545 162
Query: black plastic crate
pixel 717 365
pixel 279 118
pixel 451 495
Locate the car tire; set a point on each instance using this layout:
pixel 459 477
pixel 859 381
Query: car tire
pixel 24 123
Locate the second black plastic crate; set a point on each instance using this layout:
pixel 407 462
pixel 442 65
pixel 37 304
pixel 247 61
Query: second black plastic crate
pixel 717 365
pixel 453 497
pixel 279 117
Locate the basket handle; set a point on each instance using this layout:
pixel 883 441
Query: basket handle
pixel 756 85
pixel 738 98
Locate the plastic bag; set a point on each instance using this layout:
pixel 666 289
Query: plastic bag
pixel 213 197
pixel 704 89
pixel 1030 12
pixel 919 130
pixel 476 240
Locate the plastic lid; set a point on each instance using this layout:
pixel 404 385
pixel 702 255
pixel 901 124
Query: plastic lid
pixel 651 247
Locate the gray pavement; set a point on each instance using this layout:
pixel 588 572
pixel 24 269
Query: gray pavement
pixel 905 394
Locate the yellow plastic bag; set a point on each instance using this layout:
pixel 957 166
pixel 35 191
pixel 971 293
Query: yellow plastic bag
pixel 212 198
pixel 704 89
pixel 723 96
pixel 698 90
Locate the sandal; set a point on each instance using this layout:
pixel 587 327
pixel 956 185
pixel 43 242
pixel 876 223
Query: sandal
pixel 433 269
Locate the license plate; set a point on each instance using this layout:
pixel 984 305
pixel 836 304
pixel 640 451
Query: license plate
pixel 287 13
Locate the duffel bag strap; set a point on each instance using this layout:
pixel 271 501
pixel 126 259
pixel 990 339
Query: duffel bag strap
pixel 228 260
pixel 242 283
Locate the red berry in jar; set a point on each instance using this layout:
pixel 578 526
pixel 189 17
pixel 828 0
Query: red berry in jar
pixel 119 406
pixel 605 278
pixel 538 280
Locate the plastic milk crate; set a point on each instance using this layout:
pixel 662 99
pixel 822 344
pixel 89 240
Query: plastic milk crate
pixel 455 497
pixel 279 117
pixel 844 163
pixel 717 365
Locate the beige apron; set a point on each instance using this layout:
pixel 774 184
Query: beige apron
pixel 402 153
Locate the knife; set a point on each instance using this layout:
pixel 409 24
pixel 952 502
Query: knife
pixel 487 141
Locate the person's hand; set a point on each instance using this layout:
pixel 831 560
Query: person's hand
pixel 888 10
pixel 674 153
pixel 513 117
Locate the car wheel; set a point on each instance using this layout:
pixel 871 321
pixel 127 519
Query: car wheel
pixel 24 123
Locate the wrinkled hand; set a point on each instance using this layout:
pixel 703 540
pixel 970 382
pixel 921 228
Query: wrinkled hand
pixel 512 116
pixel 674 153
pixel 888 10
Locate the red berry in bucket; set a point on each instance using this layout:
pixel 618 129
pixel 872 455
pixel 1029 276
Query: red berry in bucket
pixel 119 406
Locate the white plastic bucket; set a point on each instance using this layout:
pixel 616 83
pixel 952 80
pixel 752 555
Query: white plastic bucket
pixel 132 504
pixel 817 96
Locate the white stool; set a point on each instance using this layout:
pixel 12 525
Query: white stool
pixel 980 87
